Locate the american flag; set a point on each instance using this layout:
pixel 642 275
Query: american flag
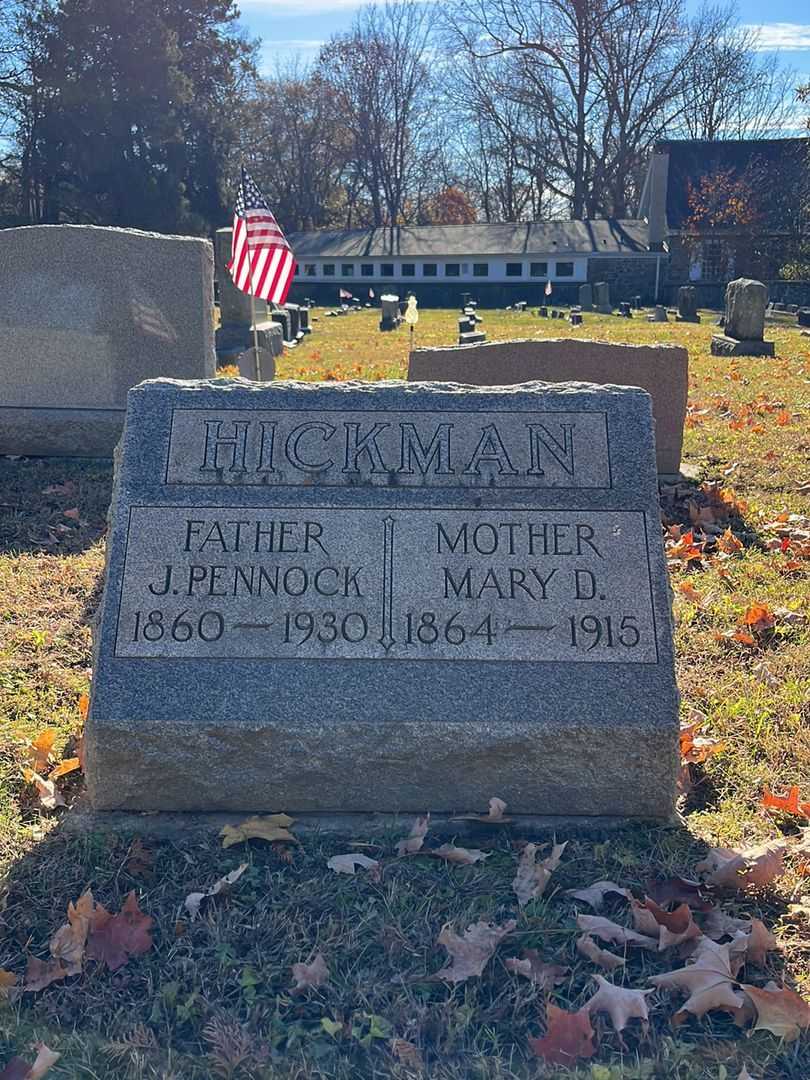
pixel 262 261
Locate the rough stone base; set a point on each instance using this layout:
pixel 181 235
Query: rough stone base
pixel 687 318
pixel 473 337
pixel 82 819
pixel 447 767
pixel 91 433
pixel 728 346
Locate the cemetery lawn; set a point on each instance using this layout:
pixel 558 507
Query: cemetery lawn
pixel 212 997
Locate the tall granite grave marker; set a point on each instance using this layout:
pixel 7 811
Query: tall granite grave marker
pixel 387 597
pixel 86 313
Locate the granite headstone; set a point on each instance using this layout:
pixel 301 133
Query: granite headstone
pixel 746 301
pixel 87 312
pixel 385 597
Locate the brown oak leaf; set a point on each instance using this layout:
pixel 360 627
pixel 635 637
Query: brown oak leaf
pixel 407 1053
pixel 760 942
pixel 607 960
pixel 569 1037
pixel 670 927
pixel 463 856
pixel 533 877
pixel 39 749
pixel 607 930
pixel 779 1010
pixel 311 976
pixel 114 938
pixel 41 973
pixel 708 980
pixel 49 794
pixel 470 954
pixel 272 827
pixel 416 837
pixel 680 890
pixel 69 941
pixel 8 980
pixel 494 817
pixel 748 868
pixel 595 894
pixel 19 1069
pixel 531 967
pixel 620 1003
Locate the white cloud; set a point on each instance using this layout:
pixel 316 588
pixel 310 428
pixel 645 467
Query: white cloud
pixel 781 35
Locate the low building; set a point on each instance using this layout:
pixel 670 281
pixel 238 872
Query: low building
pixel 496 263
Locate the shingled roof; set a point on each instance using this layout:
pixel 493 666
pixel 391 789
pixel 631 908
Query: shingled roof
pixel 598 237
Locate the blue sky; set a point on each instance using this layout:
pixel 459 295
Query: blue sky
pixel 288 27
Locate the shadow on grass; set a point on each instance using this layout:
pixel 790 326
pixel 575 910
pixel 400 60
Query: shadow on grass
pixel 212 997
pixel 54 506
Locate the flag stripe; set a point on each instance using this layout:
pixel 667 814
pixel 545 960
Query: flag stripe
pixel 262 262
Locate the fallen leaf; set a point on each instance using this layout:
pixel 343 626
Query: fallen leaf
pixel 273 827
pixel 140 859
pixel 415 838
pixel 346 864
pixel 39 749
pixel 65 766
pixel 779 1010
pixel 16 1069
pixel 44 1060
pixel 407 1054
pixel 494 817
pixel 728 543
pixel 759 618
pixel 747 868
pixel 788 803
pixel 687 589
pixel 8 980
pixel 680 890
pixel 464 856
pixel 49 794
pixel 569 1036
pixel 607 960
pixel 532 878
pixel 84 706
pixel 745 1074
pixel 531 967
pixel 72 513
pixel 41 973
pixel 595 894
pixel 67 488
pixel 760 942
pixel 69 942
pixel 607 930
pixel 619 1003
pixel 194 900
pixel 695 749
pixel 718 924
pixel 671 927
pixel 708 980
pixel 469 954
pixel 310 976
pixel 114 938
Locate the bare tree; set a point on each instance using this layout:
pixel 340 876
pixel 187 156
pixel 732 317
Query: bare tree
pixel 379 77
pixel 730 89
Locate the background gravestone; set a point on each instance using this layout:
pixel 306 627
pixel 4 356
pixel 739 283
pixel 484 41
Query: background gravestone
pixel 661 370
pixel 234 331
pixel 86 313
pixel 586 297
pixel 744 325
pixel 687 304
pixel 360 597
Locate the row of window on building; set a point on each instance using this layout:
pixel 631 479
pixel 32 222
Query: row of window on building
pixel 432 270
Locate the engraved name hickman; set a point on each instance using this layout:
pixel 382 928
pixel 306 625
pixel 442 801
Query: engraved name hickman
pixel 452 448
pixel 420 584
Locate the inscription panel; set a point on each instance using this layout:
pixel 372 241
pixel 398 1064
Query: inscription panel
pixel 387 584
pixel 447 448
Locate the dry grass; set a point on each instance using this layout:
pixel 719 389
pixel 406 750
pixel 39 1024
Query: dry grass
pixel 212 998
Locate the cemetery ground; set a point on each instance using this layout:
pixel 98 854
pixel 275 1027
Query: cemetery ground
pixel 213 995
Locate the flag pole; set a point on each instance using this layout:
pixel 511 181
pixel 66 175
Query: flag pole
pixel 253 320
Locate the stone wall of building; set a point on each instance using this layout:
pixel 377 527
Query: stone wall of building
pixel 629 277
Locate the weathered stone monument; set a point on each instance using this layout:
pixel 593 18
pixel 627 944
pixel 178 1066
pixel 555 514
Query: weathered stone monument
pixel 586 297
pixel 659 314
pixel 389 597
pixel 687 304
pixel 390 317
pixel 86 313
pixel 744 325
pixel 661 370
pixel 601 298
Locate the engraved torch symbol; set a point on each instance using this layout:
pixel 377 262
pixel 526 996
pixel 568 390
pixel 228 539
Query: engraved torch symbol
pixel 387 638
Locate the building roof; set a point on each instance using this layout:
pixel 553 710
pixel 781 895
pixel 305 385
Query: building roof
pixel 690 160
pixel 596 237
